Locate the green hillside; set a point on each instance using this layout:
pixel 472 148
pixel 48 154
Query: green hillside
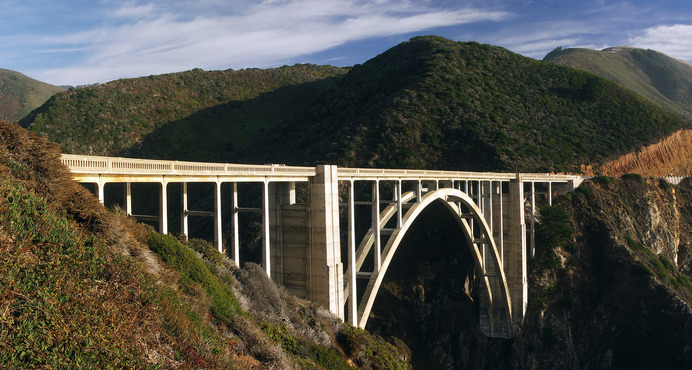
pixel 426 103
pixel 663 80
pixel 114 118
pixel 20 94
pixel 435 103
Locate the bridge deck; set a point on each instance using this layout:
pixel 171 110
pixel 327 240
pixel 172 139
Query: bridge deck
pixel 129 169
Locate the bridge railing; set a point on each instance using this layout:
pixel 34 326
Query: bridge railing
pixel 118 165
pixel 384 174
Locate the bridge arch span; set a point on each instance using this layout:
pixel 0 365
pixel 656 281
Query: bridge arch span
pixel 495 299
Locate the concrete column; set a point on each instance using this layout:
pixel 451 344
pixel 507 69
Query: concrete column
pixel 399 205
pixel 280 194
pixel 325 273
pixel 128 198
pixel 218 228
pixel 353 300
pixel 515 244
pixel 266 248
pixel 501 226
pixel 376 224
pixel 419 191
pixel 99 191
pixel 184 226
pixel 550 193
pixel 236 233
pixel 163 209
pixel 533 219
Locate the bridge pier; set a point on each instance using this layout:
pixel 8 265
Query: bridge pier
pixel 515 252
pixel 325 272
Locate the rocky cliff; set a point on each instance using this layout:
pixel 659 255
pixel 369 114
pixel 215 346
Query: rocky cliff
pixel 671 156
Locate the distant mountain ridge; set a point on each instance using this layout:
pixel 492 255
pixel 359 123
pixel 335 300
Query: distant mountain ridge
pixel 20 94
pixel 664 80
pixel 426 103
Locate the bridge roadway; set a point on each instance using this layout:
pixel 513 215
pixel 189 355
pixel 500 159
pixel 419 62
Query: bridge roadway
pixel 301 239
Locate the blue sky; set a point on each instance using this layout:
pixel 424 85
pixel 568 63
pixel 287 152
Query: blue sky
pixel 73 42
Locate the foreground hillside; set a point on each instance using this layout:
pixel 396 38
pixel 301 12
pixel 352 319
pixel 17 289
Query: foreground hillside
pixel 661 79
pixel 84 287
pixel 427 103
pixel 20 94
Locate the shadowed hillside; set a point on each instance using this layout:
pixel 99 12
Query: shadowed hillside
pixel 663 80
pixel 20 94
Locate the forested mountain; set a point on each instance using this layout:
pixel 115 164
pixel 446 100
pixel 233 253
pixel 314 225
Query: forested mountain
pixel 662 79
pixel 427 103
pixel 434 103
pixel 224 107
pixel 20 94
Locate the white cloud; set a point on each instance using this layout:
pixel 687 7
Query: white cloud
pixel 155 40
pixel 673 40
pixel 132 11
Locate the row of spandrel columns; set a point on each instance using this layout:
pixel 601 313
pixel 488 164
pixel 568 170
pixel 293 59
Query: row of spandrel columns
pixel 167 206
pixel 372 197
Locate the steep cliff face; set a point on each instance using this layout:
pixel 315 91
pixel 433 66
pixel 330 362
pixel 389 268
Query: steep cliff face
pixel 616 294
pixel 671 156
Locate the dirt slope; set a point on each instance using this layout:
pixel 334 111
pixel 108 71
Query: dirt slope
pixel 671 156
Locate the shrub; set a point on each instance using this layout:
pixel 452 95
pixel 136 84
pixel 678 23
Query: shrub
pixel 604 180
pixel 585 191
pixel 369 351
pixel 192 269
pixel 555 227
pixel 633 176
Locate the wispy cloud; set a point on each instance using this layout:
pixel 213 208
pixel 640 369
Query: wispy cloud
pixel 673 40
pixel 144 39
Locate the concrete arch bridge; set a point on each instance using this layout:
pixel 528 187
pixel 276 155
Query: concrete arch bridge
pixel 303 246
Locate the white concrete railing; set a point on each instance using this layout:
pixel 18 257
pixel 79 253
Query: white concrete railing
pixel 366 173
pixel 675 180
pixel 116 165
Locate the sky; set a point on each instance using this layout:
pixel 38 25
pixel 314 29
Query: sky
pixel 77 42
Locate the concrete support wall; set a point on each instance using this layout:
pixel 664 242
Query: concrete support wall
pixel 294 241
pixel 515 251
pixel 325 270
pixel 281 195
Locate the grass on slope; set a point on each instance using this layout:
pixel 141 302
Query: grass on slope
pixel 20 94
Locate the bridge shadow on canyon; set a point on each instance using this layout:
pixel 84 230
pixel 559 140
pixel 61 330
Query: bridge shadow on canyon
pixel 429 298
